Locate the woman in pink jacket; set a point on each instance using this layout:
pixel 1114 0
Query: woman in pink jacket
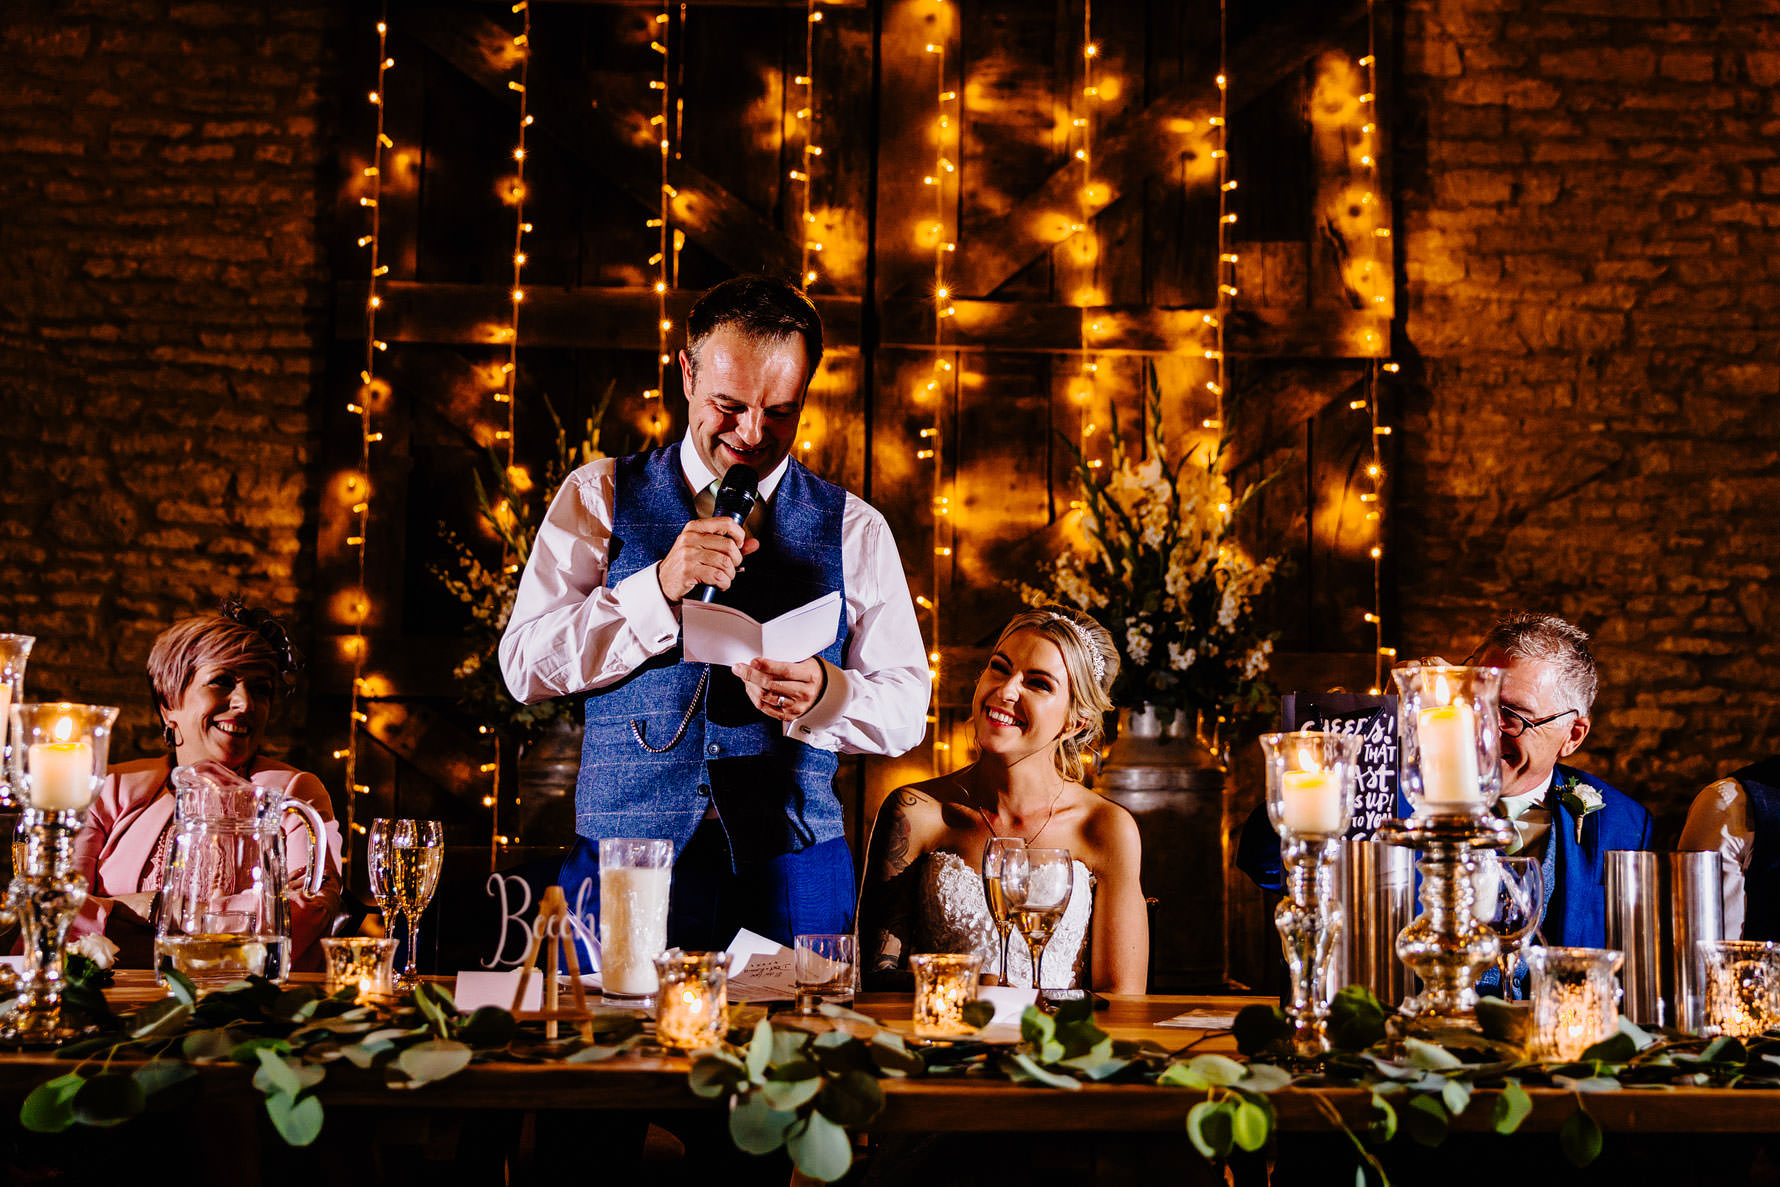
pixel 215 680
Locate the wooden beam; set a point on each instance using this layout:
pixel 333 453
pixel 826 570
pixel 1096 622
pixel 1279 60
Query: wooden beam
pixel 711 216
pixel 582 318
pixel 1129 151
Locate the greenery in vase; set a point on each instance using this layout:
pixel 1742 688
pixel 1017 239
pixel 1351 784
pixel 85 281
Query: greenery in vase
pixel 510 505
pixel 1158 565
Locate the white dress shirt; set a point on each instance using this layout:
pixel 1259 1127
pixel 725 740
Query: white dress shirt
pixel 569 632
pixel 1718 821
pixel 1532 819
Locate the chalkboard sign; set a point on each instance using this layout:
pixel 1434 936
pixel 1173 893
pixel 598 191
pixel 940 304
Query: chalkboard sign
pixel 1374 719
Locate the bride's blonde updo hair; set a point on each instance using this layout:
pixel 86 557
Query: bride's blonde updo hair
pixel 1092 663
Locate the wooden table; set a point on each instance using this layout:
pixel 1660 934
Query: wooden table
pixel 646 1082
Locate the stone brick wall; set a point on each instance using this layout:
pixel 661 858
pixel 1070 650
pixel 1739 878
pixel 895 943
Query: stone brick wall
pixel 161 309
pixel 1590 223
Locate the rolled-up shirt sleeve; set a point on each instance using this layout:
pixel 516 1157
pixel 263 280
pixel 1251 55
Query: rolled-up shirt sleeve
pixel 569 632
pixel 876 702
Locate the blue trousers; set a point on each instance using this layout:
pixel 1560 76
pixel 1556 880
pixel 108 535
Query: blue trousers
pixel 713 895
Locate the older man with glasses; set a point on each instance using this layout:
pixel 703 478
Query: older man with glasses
pixel 1565 817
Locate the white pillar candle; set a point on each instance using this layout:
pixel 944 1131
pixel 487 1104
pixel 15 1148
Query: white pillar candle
pixel 1310 802
pixel 61 775
pixel 1448 738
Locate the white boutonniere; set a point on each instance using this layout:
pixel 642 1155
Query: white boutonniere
pixel 1581 799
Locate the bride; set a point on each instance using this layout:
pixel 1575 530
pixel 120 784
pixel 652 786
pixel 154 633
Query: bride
pixel 1037 711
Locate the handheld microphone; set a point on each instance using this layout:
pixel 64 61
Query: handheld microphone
pixel 735 499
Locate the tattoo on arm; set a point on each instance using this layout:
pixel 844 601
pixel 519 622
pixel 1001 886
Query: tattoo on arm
pixel 887 910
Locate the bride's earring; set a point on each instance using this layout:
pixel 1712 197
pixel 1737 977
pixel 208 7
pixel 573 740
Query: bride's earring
pixel 170 734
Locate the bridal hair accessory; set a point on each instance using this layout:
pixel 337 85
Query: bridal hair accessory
pixel 1096 660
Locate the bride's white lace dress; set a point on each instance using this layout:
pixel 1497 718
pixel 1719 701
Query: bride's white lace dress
pixel 952 915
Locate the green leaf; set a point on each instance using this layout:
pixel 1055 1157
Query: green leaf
pixel 1260 1028
pixel 852 1100
pixel 760 1051
pixel 248 1050
pixel 1021 1068
pixel 1426 1119
pixel 108 1099
pixel 158 1075
pixel 1512 1107
pixel 1618 1048
pixel 1264 1077
pixel 1724 1049
pixel 178 984
pixel 1505 1022
pixel 50 1106
pixel 1580 1138
pixel 434 1060
pixel 364 1055
pixel 1640 1037
pixel 275 1075
pixel 203 1046
pixel 755 1127
pixel 298 1121
pixel 595 1053
pixel 1037 1027
pixel 159 1018
pixel 1249 1126
pixel 1209 1129
pixel 1455 1095
pixel 1386 1124
pixel 489 1026
pixel 716 1073
pixel 821 1149
pixel 787 1096
pixel 892 1056
pixel 978 1013
pixel 1356 1020
pixel 1429 1057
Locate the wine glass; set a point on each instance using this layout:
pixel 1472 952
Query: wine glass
pixel 994 854
pixel 405 857
pixel 1511 900
pixel 1037 883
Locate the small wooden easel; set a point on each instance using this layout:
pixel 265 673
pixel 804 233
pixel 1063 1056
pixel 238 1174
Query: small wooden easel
pixel 553 932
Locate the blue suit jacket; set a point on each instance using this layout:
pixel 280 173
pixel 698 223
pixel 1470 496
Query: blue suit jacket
pixel 1576 903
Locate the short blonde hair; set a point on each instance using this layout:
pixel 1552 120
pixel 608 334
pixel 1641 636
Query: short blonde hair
pixel 236 635
pixel 1090 699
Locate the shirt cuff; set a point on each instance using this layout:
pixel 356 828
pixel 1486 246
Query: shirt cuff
pixel 646 610
pixel 825 713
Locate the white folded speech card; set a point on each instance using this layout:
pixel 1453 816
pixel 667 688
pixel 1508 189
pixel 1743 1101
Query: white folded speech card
pixel 713 634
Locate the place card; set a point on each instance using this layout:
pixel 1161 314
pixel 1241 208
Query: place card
pixel 1201 1020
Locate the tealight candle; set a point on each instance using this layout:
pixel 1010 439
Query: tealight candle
pixel 365 963
pixel 1448 737
pixel 692 1001
pixel 1575 999
pixel 1310 802
pixel 944 984
pixel 61 776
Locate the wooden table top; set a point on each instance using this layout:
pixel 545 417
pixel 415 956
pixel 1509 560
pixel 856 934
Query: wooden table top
pixel 958 1105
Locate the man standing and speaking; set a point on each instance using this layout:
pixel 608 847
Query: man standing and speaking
pixel 735 765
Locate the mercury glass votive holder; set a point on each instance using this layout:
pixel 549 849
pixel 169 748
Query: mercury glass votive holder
pixel 1575 995
pixel 692 1003
pixel 1742 986
pixel 945 982
pixel 364 963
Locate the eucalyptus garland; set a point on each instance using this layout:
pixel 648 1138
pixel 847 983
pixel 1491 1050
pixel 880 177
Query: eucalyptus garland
pixel 807 1089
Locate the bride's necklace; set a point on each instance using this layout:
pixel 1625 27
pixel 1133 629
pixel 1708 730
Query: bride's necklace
pixel 970 798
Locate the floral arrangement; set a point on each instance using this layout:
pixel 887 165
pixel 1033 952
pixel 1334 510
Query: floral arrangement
pixel 506 505
pixel 1160 568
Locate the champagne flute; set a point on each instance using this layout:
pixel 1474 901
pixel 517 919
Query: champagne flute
pixel 1510 899
pixel 994 854
pixel 1037 883
pixel 405 857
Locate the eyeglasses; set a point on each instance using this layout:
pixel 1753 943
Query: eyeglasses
pixel 1514 725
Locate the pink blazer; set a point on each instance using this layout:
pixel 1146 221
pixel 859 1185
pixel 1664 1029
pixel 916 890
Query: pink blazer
pixel 116 847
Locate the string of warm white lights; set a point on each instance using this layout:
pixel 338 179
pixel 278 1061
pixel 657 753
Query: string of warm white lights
pixel 358 486
pixel 1082 230
pixel 1226 267
pixel 937 386
pixel 664 261
pixel 1372 202
pixel 806 116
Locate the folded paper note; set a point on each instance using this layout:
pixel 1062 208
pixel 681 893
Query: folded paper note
pixel 714 634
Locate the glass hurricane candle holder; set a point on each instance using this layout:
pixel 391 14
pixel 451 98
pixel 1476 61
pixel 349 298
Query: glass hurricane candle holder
pixel 945 982
pixel 1449 731
pixel 364 963
pixel 59 758
pixel 1310 783
pixel 1742 986
pixel 1575 995
pixel 14 651
pixel 692 1001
